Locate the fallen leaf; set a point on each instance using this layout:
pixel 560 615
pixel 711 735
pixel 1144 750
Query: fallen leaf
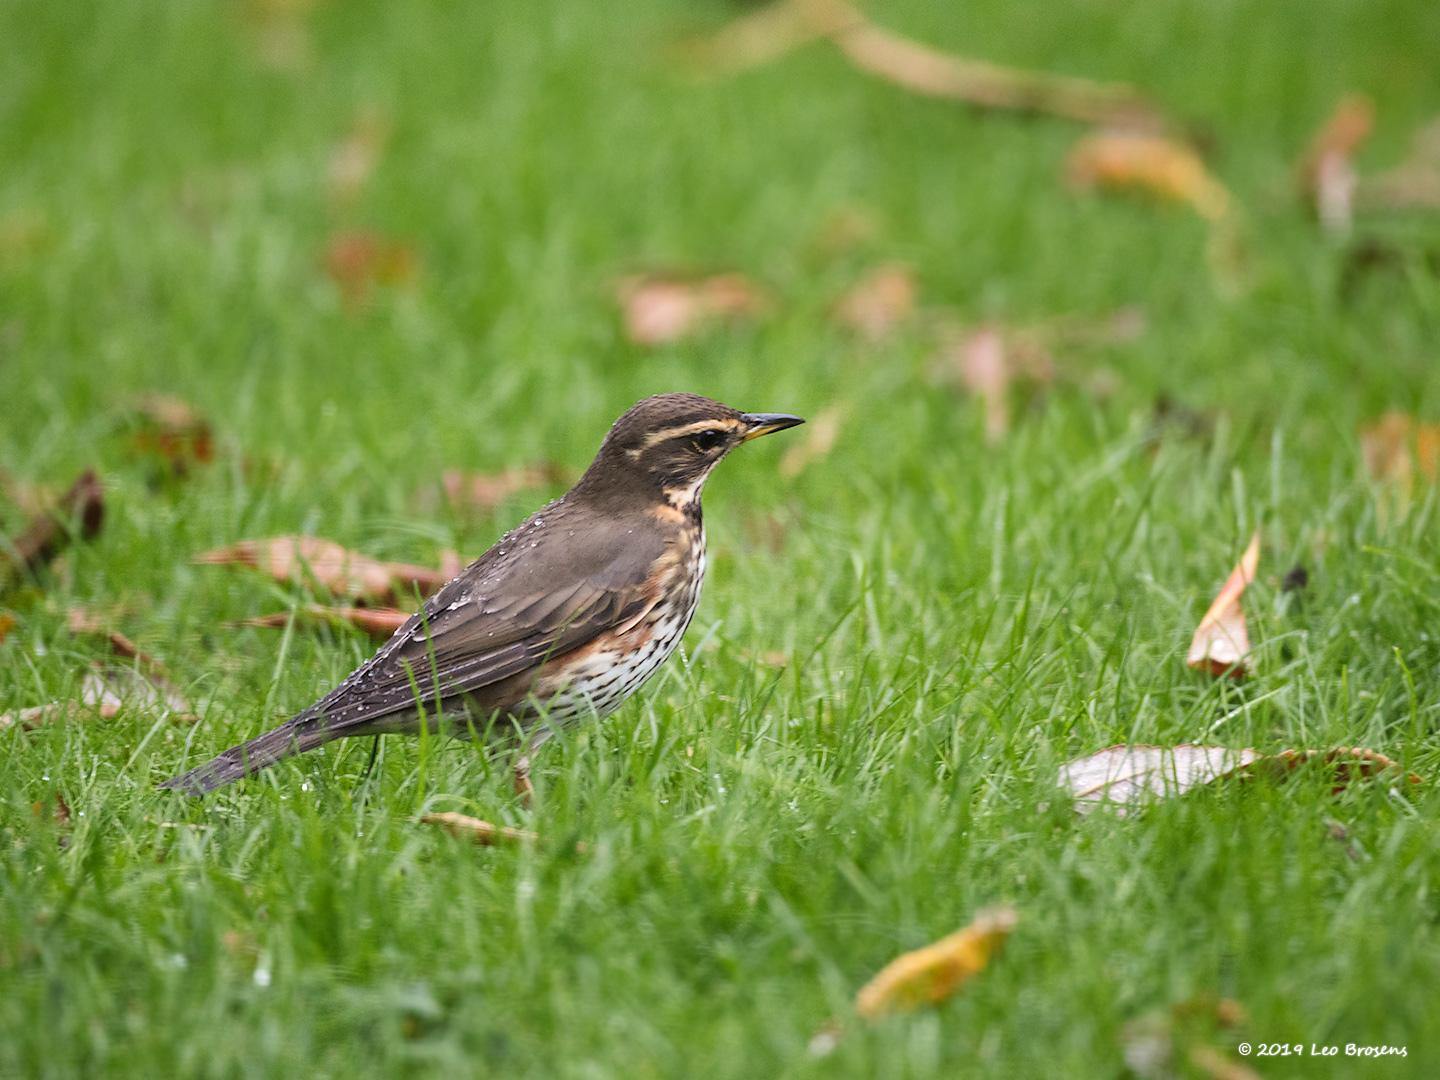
pixel 168 428
pixel 483 492
pixel 933 73
pixel 7 623
pixel 336 569
pixel 354 159
pixel 1397 447
pixel 359 261
pixel 1126 777
pixel 83 621
pixel 380 622
pixel 481 832
pixel 1221 641
pixel 820 436
pixel 658 309
pixel 929 975
pixel 80 512
pixel 1149 163
pixel 879 302
pixel 1327 172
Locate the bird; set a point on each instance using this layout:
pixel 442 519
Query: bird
pixel 562 619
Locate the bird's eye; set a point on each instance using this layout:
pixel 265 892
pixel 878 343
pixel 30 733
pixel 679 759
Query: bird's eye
pixel 706 441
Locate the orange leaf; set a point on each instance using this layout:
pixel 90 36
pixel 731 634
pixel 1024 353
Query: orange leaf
pixel 1221 640
pixel 879 302
pixel 359 261
pixel 933 973
pixel 337 569
pixel 659 310
pixel 1148 163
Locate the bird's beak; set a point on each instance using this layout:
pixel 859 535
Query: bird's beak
pixel 764 423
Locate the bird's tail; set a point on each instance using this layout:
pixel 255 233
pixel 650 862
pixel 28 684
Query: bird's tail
pixel 291 738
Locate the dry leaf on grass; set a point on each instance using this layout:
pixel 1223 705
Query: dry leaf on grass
pixel 481 832
pixel 659 309
pixel 7 623
pixel 931 974
pixel 482 492
pixel 336 569
pixel 105 691
pixel 1327 172
pixel 79 512
pixel 1221 641
pixel 1125 777
pixel 1397 447
pixel 169 429
pixel 379 622
pixel 765 35
pixel 879 302
pixel 820 436
pixel 358 262
pixel 1152 164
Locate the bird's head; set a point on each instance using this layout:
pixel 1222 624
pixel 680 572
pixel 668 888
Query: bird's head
pixel 665 446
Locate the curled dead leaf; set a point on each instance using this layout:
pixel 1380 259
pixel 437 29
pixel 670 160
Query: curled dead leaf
pixel 660 309
pixel 1397 447
pixel 1127 777
pixel 79 513
pixel 1222 641
pixel 483 492
pixel 379 622
pixel 481 832
pixel 1153 164
pixel 336 569
pixel 170 429
pixel 929 975
pixel 879 302
pixel 359 261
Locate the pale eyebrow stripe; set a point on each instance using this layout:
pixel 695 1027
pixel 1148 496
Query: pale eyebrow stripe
pixel 690 429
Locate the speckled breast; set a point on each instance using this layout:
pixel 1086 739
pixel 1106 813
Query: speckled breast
pixel 599 683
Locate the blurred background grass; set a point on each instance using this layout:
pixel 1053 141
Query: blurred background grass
pixel 166 204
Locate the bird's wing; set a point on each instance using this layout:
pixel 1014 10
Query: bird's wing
pixel 498 620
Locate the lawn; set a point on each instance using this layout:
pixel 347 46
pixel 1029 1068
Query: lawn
pixel 899 644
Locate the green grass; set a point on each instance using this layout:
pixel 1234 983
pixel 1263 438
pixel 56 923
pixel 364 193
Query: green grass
pixel 960 618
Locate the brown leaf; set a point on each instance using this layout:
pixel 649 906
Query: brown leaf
pixel 1148 163
pixel 1126 777
pixel 170 429
pixel 659 310
pixel 359 261
pixel 1327 172
pixel 1397 447
pixel 79 512
pixel 7 623
pixel 1221 641
pixel 380 623
pixel 879 302
pixel 354 159
pixel 820 436
pixel 334 568
pixel 483 492
pixel 929 975
pixel 481 832
pixel 924 70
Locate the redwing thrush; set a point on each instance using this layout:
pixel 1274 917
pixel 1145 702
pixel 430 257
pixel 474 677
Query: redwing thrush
pixel 566 615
